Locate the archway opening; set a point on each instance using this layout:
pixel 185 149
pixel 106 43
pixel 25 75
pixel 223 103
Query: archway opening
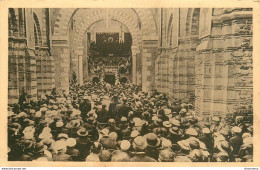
pixel 110 78
pixel 95 80
pixel 123 80
pixel 108 47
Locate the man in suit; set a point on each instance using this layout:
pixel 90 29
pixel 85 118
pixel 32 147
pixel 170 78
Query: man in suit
pixel 122 109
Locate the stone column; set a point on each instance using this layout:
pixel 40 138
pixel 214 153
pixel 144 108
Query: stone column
pixel 149 54
pixel 134 68
pixel 226 58
pixel 62 62
pixel 80 65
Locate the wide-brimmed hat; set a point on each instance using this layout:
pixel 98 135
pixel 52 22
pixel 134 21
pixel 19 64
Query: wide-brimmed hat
pixel 134 133
pixel 38 114
pixel 104 132
pixel 45 135
pixel 236 129
pixel 59 145
pixel 59 124
pixel 175 122
pixel 39 147
pixel 125 145
pixel 166 143
pixel 139 143
pixel 71 142
pixel 82 132
pixel 246 135
pixel 152 139
pixel 62 135
pixel 191 132
pixel 184 144
pixel 216 119
pixel 167 124
pixel 205 130
pixel 28 143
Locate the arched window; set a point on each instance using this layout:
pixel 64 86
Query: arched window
pixel 12 22
pixel 37 31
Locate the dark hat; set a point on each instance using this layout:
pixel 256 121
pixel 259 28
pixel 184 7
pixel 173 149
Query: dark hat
pixel 82 132
pixel 39 147
pixel 28 143
pixel 152 139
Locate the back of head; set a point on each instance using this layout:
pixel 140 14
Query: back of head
pixel 120 157
pixel 166 156
pixel 104 155
pixel 139 144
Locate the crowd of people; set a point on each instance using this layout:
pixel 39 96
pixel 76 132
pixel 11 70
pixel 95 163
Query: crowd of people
pixel 121 123
pixel 98 64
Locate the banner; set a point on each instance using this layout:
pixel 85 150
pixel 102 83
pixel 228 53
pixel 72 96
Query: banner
pixel 205 22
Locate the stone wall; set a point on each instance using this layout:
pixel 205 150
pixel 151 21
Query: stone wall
pixel 215 71
pixel 224 64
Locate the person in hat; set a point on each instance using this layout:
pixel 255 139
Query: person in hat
pixel 94 151
pixel 139 145
pixel 90 126
pixel 183 152
pixel 61 147
pixel 108 142
pixel 122 109
pixel 222 157
pixel 71 150
pixel 112 127
pixel 103 114
pixel 83 143
pixel 161 130
pixel 104 156
pixel 84 107
pixel 112 106
pixel 215 125
pixel 207 138
pixel 39 152
pixel 236 141
pixel 125 130
pixel 153 143
pixel 196 155
pixel 118 156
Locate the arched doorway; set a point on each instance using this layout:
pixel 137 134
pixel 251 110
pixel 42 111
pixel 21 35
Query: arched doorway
pixel 123 80
pixel 110 78
pixel 95 80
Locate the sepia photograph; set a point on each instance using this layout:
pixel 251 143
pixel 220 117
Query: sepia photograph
pixel 159 84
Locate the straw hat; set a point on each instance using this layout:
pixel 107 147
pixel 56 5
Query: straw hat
pixel 139 143
pixel 70 142
pixel 191 132
pixel 125 145
pixel 152 139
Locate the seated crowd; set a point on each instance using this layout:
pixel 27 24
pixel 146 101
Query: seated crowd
pixel 94 123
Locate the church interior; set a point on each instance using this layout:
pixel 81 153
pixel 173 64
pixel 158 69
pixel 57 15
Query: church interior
pixel 202 55
pixel 130 84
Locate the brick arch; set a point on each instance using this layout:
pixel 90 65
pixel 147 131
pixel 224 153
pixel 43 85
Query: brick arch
pixel 65 14
pixel 38 28
pixel 118 16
